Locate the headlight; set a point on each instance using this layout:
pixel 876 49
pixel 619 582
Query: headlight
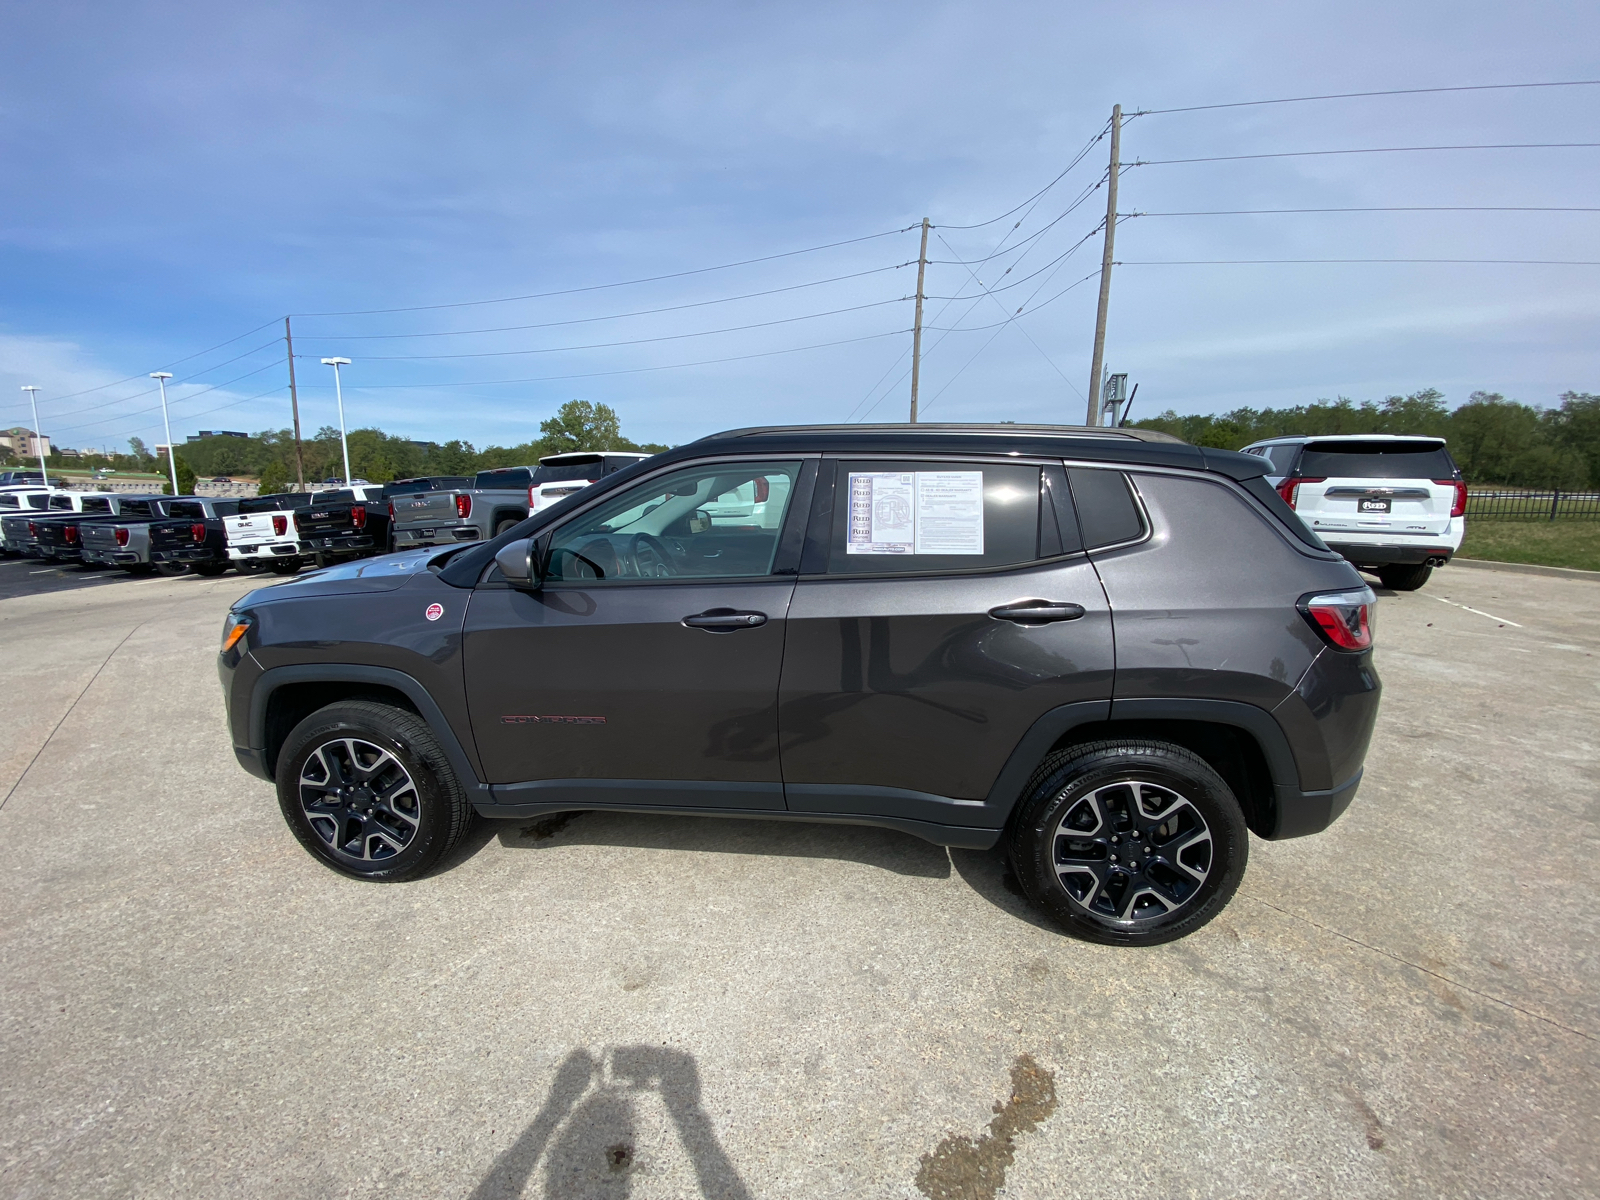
pixel 234 629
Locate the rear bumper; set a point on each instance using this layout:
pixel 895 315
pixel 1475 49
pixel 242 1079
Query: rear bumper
pixel 1302 813
pixel 264 551
pixel 350 544
pixel 187 554
pixel 1362 554
pixel 436 536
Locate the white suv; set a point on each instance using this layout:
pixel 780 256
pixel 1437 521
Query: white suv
pixel 1393 504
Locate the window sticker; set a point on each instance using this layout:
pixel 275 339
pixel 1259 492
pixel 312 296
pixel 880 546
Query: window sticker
pixel 915 512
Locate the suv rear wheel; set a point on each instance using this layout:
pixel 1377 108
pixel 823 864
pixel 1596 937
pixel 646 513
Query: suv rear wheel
pixel 1129 843
pixel 1404 579
pixel 367 789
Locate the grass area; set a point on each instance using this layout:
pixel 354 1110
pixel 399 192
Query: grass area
pixel 1548 543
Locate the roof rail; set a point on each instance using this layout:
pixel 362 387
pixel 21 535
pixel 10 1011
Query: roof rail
pixel 1007 429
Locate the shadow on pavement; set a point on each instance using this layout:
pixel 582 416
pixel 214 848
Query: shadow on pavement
pixel 988 873
pixel 886 849
pixel 584 1134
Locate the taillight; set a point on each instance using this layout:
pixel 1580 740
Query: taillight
pixel 33 529
pixel 122 537
pixel 1289 488
pixel 198 531
pixel 463 507
pixel 1458 506
pixel 1344 619
pixel 280 526
pixel 71 532
pixel 358 515
pixel 763 489
pixel 391 512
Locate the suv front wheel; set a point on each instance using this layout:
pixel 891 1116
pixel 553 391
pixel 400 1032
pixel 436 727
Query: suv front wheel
pixel 367 789
pixel 1129 843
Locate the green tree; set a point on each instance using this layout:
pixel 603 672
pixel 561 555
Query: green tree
pixel 1576 426
pixel 580 425
pixel 185 476
pixel 275 478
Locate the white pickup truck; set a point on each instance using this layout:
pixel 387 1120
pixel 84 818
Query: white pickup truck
pixel 261 535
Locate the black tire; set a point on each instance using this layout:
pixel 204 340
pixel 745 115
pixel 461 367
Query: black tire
pixel 139 568
pixel 284 566
pixel 506 523
pixel 400 826
pixel 1188 866
pixel 171 570
pixel 210 570
pixel 1404 579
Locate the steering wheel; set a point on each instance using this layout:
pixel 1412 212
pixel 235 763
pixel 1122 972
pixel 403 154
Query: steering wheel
pixel 651 559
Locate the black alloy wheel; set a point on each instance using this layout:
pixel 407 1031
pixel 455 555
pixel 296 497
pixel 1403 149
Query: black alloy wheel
pixel 1129 843
pixel 368 790
pixel 284 566
pixel 172 570
pixel 210 570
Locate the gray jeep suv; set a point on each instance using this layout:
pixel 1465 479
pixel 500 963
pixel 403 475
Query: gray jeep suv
pixel 1113 653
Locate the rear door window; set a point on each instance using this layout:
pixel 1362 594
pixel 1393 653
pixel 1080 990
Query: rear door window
pixel 1107 510
pixel 1281 457
pixel 934 515
pixel 1377 460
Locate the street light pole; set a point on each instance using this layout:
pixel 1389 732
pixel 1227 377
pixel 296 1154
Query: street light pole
pixel 161 378
pixel 38 442
pixel 336 363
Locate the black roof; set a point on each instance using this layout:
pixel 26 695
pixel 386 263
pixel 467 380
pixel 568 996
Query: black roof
pixel 1139 447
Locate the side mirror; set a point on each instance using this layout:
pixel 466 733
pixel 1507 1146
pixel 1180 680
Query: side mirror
pixel 519 563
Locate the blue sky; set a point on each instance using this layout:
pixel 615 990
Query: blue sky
pixel 175 175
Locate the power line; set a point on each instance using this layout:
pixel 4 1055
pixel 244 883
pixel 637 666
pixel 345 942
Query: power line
pixel 368 312
pixel 190 379
pixel 1251 212
pixel 1162 162
pixel 671 337
pixel 1027 311
pixel 174 363
pixel 178 400
pixel 634 370
pixel 643 312
pixel 1077 158
pixel 1481 87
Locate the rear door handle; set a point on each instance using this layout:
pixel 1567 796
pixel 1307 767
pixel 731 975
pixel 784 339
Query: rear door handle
pixel 1037 612
pixel 725 620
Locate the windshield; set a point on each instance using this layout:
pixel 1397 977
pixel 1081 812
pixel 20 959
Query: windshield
pixel 185 508
pixel 567 472
pixel 1377 460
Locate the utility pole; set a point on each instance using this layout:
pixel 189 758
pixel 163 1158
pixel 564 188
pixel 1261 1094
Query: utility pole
pixel 38 442
pixel 1105 268
pixel 916 333
pixel 294 403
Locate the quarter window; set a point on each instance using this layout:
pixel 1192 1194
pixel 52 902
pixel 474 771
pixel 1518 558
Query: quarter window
pixel 709 521
pixel 1106 508
pixel 933 516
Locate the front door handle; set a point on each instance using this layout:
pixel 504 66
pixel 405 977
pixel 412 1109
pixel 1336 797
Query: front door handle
pixel 1037 612
pixel 725 620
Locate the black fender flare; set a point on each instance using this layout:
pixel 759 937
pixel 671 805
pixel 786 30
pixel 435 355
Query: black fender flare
pixel 1296 812
pixel 274 678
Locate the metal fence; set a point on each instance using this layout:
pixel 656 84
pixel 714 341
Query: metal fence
pixel 1516 505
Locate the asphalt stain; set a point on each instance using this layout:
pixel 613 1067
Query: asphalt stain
pixel 619 1157
pixel 545 829
pixel 964 1168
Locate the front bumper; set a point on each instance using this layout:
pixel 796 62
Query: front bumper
pixel 1361 554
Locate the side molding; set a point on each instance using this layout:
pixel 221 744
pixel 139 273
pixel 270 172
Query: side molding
pixel 271 680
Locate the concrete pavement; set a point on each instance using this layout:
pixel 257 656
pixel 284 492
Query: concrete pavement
pixel 616 1005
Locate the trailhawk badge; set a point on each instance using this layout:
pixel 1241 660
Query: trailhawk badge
pixel 435 611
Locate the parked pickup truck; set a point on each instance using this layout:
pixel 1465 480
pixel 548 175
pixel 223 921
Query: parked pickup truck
pixel 190 542
pixel 358 521
pixel 261 533
pixel 497 499
pixel 124 541
pixel 343 523
pixel 22 504
pixel 61 538
pixel 17 526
